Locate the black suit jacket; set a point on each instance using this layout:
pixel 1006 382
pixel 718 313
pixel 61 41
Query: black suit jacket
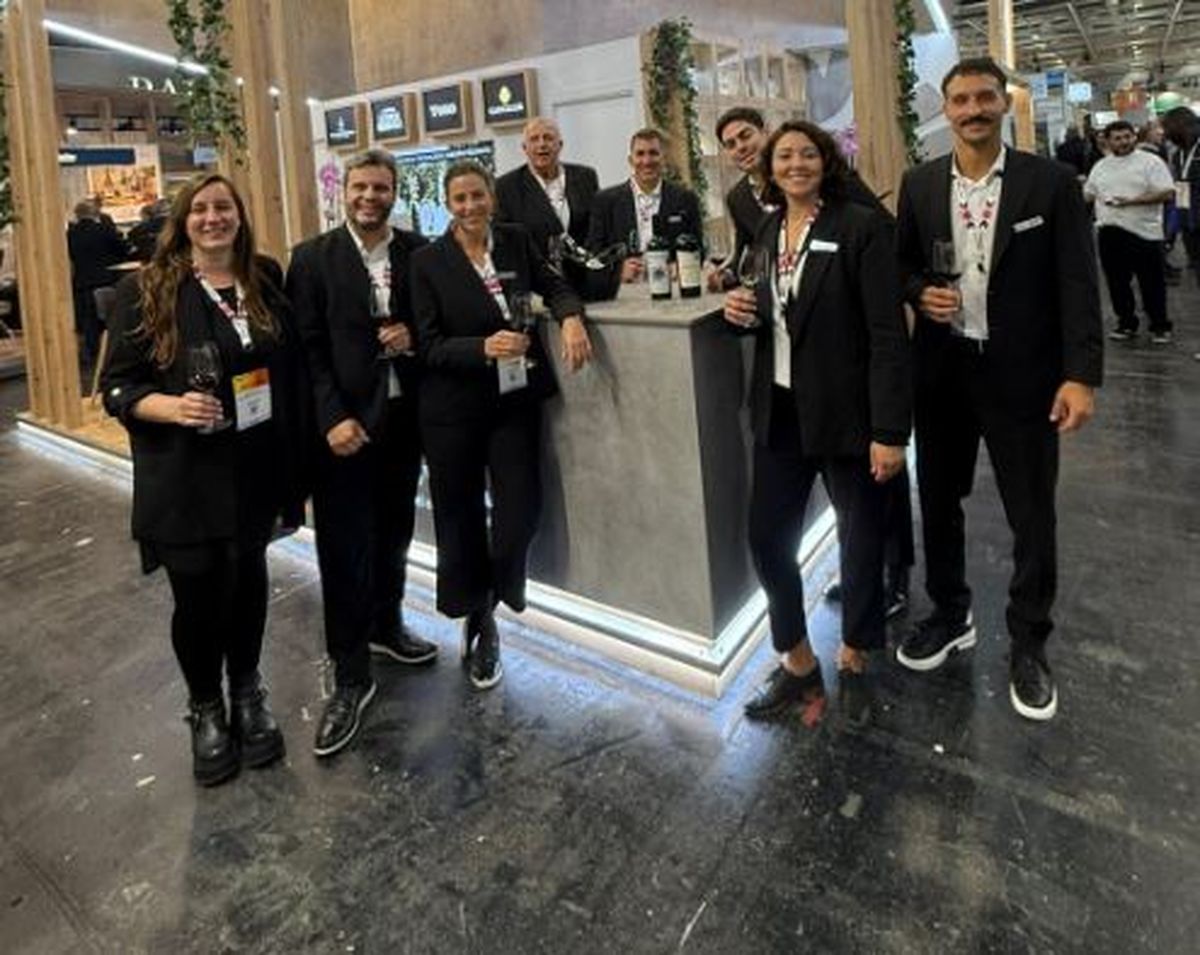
pixel 455 313
pixel 850 357
pixel 614 219
pixel 186 484
pixel 93 247
pixel 747 214
pixel 330 291
pixel 1044 324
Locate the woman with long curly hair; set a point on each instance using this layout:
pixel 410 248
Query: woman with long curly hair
pixel 203 373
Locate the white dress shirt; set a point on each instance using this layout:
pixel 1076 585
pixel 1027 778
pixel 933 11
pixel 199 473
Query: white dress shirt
pixel 378 262
pixel 645 207
pixel 785 282
pixel 974 206
pixel 556 192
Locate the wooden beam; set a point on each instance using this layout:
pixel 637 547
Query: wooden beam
pixel 47 312
pixel 1002 44
pixel 881 162
pixel 295 124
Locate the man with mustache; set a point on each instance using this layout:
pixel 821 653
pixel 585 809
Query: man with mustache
pixel 996 255
pixel 1128 188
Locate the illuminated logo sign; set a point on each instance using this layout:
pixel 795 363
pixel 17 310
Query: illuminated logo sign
pixel 446 110
pixel 390 118
pixel 342 127
pixel 508 98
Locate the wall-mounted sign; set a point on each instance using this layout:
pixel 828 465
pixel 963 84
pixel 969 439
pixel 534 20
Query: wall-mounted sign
pixel 509 99
pixel 147 84
pixel 1039 88
pixel 446 110
pixel 392 118
pixel 1079 92
pixel 344 127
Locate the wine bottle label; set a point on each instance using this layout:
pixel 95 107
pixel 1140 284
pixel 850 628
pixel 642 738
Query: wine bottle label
pixel 659 274
pixel 689 270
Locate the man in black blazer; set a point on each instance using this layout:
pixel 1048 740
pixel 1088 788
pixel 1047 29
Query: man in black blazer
pixel 1011 352
pixel 636 209
pixel 547 196
pixel 350 290
pixel 742 133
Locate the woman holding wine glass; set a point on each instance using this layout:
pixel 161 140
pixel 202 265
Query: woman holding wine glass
pixel 830 396
pixel 203 373
pixel 486 376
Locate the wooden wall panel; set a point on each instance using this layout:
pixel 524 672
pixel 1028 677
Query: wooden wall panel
pixel 881 155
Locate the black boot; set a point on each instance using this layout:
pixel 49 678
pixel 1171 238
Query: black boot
pixel 214 754
pixel 252 725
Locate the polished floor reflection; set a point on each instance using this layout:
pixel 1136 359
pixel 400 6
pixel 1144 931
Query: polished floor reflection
pixel 579 808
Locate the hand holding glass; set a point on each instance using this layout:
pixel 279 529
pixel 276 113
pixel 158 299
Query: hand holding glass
pixel 204 375
pixel 521 318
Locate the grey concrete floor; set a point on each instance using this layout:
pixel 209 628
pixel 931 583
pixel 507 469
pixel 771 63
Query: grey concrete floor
pixel 581 808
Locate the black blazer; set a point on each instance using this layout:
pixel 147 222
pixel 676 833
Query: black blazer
pixel 185 484
pixel 614 219
pixel 93 247
pixel 522 200
pixel 747 214
pixel 455 313
pixel 330 292
pixel 1044 324
pixel 851 371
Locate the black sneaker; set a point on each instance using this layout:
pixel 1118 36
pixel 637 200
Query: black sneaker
pixel 214 753
pixel 404 646
pixel 856 701
pixel 342 717
pixel 486 669
pixel 1161 338
pixel 783 689
pixel 1119 334
pixel 1031 686
pixel 933 639
pixel 253 726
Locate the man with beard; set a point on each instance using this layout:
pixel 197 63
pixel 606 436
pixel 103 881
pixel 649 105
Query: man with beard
pixel 1129 187
pixel 351 294
pixel 995 254
pixel 549 197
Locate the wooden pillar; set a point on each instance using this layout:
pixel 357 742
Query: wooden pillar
pixel 675 151
pixel 258 177
pixel 1002 48
pixel 44 273
pixel 881 162
pixel 299 165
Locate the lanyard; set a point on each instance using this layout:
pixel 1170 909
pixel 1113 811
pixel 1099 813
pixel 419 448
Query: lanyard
pixel 236 317
pixel 1187 164
pixel 977 227
pixel 491 281
pixel 789 265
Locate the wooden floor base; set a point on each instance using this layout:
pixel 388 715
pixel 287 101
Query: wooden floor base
pixel 98 429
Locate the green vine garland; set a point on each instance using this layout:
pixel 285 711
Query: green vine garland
pixel 906 80
pixel 8 212
pixel 211 105
pixel 669 73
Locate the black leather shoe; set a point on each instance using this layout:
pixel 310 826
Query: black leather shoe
pixel 404 646
pixel 214 753
pixel 895 592
pixel 856 701
pixel 253 726
pixel 783 689
pixel 930 643
pixel 486 669
pixel 342 717
pixel 1031 686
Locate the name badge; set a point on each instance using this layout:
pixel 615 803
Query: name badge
pixel 512 373
pixel 252 398
pixel 1183 195
pixel 821 245
pixel 1027 224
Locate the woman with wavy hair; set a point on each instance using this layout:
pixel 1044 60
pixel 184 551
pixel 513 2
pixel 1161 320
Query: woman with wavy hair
pixel 203 374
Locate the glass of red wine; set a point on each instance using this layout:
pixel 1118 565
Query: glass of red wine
pixel 204 373
pixel 522 318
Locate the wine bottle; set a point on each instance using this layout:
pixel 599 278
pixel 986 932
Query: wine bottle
pixel 687 257
pixel 658 271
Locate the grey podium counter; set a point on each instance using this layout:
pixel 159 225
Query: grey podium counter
pixel 642 550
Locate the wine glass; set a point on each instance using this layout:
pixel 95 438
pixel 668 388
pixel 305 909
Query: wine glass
pixel 204 375
pixel 754 266
pixel 943 262
pixel 521 318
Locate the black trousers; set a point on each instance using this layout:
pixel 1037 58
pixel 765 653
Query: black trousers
pixel 364 511
pixel 478 569
pixel 783 480
pixel 1124 255
pixel 1191 243
pixel 956 406
pixel 898 549
pixel 220 592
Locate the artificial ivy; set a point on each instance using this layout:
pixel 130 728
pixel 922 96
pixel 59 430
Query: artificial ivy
pixel 8 212
pixel 906 80
pixel 211 105
pixel 670 73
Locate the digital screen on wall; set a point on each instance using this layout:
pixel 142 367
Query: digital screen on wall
pixel 420 198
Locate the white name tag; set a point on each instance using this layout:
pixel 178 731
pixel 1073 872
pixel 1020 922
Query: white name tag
pixel 820 245
pixel 394 390
pixel 1026 224
pixel 1183 195
pixel 512 374
pixel 252 398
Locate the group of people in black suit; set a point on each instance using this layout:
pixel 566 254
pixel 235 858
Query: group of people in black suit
pixel 381 347
pixel 992 250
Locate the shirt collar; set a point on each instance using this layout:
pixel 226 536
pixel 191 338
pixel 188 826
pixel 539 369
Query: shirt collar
pixel 545 183
pixel 656 192
pixel 997 169
pixel 363 250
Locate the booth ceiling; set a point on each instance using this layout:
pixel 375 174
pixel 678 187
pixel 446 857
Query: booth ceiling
pixel 1101 41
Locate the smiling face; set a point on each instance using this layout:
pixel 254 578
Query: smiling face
pixel 542 144
pixel 213 221
pixel 797 168
pixel 369 196
pixel 743 143
pixel 646 161
pixel 470 202
pixel 975 105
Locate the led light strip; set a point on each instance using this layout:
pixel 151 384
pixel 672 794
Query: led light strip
pixel 119 46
